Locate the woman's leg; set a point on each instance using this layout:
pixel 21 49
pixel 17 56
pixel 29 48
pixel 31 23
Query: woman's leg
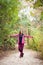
pixel 21 50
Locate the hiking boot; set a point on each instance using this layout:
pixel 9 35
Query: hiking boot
pixel 22 54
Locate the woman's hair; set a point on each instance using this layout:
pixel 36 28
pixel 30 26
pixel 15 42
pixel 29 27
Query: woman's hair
pixel 20 32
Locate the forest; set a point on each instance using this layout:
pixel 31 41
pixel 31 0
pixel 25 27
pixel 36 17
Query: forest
pixel 25 15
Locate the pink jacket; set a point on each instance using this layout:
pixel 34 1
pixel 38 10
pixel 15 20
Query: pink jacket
pixel 17 35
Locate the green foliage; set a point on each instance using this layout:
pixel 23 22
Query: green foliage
pixel 41 44
pixel 41 16
pixel 10 24
pixel 8 18
pixel 9 10
pixel 38 3
pixel 33 43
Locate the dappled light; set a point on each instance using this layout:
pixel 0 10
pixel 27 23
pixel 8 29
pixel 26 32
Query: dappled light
pixel 24 15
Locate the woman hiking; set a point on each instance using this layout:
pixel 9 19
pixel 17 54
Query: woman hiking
pixel 21 38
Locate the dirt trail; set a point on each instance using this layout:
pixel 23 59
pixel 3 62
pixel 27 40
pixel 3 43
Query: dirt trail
pixel 28 59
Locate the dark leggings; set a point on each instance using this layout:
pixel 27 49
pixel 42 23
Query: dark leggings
pixel 21 46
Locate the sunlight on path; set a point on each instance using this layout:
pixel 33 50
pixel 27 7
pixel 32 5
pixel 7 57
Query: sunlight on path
pixel 28 59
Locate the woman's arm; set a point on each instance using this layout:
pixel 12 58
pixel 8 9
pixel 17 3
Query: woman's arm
pixel 14 35
pixel 28 36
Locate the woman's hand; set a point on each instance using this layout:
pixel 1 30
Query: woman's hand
pixel 32 36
